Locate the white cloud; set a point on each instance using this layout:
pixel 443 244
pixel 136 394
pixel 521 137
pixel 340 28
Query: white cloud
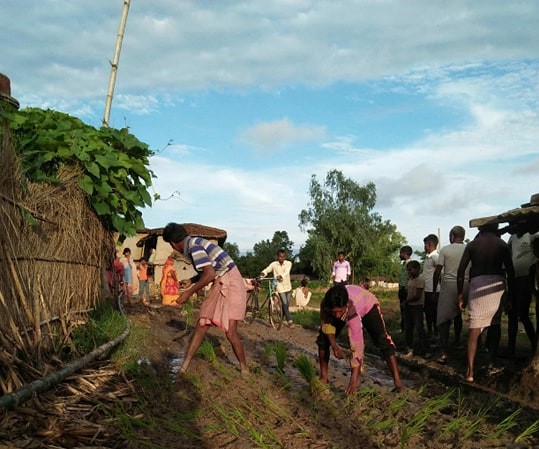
pixel 276 135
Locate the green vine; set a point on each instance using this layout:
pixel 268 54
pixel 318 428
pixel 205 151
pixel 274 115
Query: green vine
pixel 113 163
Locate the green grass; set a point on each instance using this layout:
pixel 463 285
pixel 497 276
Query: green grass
pixel 309 319
pixel 104 324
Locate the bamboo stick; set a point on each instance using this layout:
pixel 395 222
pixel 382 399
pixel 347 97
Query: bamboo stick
pixel 12 325
pixel 115 62
pixel 18 286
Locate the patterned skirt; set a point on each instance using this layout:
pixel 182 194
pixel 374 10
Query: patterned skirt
pixel 486 300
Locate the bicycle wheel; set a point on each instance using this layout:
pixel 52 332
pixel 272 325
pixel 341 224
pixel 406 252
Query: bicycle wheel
pixel 252 307
pixel 275 311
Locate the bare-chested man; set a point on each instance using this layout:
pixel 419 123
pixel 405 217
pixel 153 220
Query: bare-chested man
pixel 491 272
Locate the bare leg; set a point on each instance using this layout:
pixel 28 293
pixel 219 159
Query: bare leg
pixel 473 338
pixel 237 346
pixel 391 361
pixel 323 357
pixel 194 344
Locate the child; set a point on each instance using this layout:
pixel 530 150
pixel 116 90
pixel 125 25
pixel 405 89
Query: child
pixel 404 254
pixel 144 286
pixel 130 277
pixel 414 310
pixel 357 308
pixel 170 289
pixel 430 303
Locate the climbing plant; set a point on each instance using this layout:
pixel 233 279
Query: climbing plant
pixel 113 164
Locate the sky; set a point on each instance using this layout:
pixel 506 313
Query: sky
pixel 435 102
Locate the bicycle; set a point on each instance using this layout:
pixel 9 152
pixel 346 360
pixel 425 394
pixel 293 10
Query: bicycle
pixel 272 301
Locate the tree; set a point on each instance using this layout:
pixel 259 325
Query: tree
pixel 264 252
pixel 339 217
pixel 232 250
pixel 304 263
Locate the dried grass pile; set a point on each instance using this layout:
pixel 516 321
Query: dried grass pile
pixel 53 252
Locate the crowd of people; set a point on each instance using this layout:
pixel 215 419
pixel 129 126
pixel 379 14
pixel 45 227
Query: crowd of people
pixel 485 276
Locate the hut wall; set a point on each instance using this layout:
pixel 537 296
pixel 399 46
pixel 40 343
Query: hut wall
pixel 53 251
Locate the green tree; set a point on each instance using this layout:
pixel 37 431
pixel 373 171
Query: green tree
pixel 233 250
pixel 340 217
pixel 304 261
pixel 264 252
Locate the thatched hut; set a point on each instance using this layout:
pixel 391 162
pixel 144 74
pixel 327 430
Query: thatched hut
pixel 53 249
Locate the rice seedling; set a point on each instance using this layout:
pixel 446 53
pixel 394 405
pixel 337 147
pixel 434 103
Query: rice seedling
pixel 308 371
pixel 270 406
pixel 418 422
pixel 280 351
pixel 264 438
pixel 207 351
pixel 528 432
pixel 189 313
pixel 228 420
pixel 305 368
pixel 383 425
pixel 454 427
pixel 474 425
pixel 182 424
pixel 364 397
pixel 507 424
pixel 397 404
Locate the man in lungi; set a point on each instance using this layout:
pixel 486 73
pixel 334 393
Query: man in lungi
pixel 227 298
pixel 491 275
pixel 448 306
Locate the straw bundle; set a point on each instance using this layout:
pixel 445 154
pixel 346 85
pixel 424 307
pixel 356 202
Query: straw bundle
pixel 53 252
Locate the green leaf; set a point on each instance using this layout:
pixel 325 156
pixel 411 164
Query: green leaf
pixel 101 208
pixel 86 184
pixel 93 169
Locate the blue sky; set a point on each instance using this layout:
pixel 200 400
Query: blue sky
pixel 435 102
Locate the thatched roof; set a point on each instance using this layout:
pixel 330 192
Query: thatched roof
pixel 525 217
pixel 194 229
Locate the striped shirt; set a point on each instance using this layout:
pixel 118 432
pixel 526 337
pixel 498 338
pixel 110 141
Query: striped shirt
pixel 204 253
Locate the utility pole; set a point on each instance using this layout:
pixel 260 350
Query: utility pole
pixel 114 63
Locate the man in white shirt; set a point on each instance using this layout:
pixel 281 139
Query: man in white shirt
pixel 281 271
pixel 341 270
pixel 520 300
pixel 448 303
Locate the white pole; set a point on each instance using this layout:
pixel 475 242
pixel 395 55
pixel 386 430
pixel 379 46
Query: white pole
pixel 114 63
